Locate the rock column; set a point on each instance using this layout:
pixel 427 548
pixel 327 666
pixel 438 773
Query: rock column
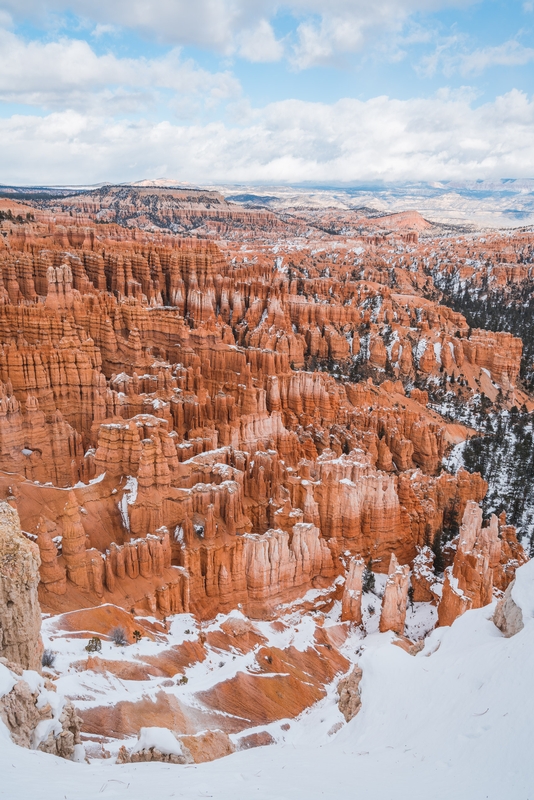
pixel 20 614
pixel 395 598
pixel 351 610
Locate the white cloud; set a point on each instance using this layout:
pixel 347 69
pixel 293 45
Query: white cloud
pixel 443 137
pixel 104 30
pixel 326 41
pixel 260 44
pixel 326 28
pixel 508 54
pixel 68 73
pixel 452 57
pixel 346 28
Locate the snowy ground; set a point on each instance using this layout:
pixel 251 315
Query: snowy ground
pixel 455 721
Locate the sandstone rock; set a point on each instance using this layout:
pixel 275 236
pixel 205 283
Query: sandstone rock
pixel 393 613
pixel 181 393
pixel 208 746
pixel 173 748
pixel 282 684
pixel 20 614
pixel 123 756
pixel 423 576
pixel 156 744
pixel 151 754
pixel 348 689
pixel 66 743
pixel 477 566
pixel 52 574
pixel 351 608
pixel 508 617
pixel 35 720
pixel 259 739
pixel 412 648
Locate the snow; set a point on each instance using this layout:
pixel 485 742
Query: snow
pixel 420 349
pixel 82 485
pixel 34 680
pixel 129 496
pixel 161 739
pixel 522 593
pixel 7 681
pixel 44 729
pixel 454 460
pixel 455 721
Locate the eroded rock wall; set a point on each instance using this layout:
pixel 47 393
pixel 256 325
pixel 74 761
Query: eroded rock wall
pixel 20 613
pixel 185 426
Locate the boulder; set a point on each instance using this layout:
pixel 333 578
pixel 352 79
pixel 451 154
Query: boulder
pixel 348 690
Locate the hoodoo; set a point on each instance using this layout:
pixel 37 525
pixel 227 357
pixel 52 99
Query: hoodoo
pixel 236 475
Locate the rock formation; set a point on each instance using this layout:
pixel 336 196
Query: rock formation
pixel 240 420
pixel 351 609
pixel 508 617
pixel 481 562
pixel 35 717
pixel 348 690
pixel 394 601
pixel 423 576
pixel 20 614
pixel 171 384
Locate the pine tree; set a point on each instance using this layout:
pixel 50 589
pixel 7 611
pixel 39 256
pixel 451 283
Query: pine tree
pixel 368 578
pixel 439 563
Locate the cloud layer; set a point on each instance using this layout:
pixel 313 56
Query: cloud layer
pixel 96 110
pixel 453 56
pixel 427 139
pixel 68 74
pixel 323 30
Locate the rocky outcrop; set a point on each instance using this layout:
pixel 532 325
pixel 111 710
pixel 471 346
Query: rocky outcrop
pixel 208 746
pixel 351 606
pixel 36 717
pixel 508 616
pixel 394 601
pixel 159 744
pixel 278 567
pixel 20 613
pixel 480 564
pixel 259 739
pixel 423 576
pixel 348 690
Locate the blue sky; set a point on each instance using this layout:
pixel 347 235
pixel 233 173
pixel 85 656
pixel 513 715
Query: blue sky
pixel 258 91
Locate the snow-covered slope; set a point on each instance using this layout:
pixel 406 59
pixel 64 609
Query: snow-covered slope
pixel 455 721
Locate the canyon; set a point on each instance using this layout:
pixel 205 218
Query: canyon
pixel 226 432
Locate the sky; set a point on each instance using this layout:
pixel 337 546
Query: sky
pixel 329 92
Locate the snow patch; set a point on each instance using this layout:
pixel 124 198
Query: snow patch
pixel 160 739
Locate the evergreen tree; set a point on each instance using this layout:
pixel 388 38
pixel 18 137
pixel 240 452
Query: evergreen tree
pixel 439 563
pixel 368 578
